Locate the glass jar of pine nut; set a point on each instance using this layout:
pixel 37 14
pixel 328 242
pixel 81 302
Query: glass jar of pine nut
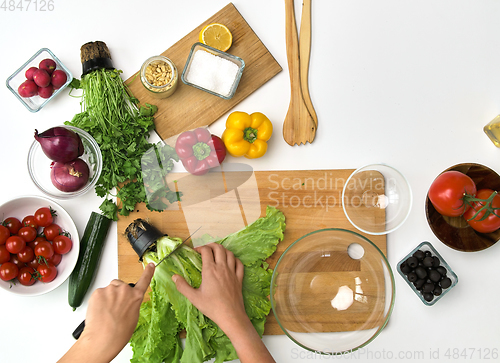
pixel 159 76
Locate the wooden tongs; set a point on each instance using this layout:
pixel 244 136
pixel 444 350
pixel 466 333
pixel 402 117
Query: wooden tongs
pixel 301 120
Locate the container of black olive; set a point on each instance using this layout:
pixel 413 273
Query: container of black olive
pixel 427 273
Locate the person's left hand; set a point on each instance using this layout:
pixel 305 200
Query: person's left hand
pixel 113 313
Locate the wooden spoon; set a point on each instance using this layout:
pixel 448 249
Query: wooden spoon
pixel 304 55
pixel 298 127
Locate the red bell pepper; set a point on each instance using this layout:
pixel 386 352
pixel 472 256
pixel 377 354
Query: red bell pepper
pixel 200 151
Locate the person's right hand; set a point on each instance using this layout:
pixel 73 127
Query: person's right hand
pixel 219 296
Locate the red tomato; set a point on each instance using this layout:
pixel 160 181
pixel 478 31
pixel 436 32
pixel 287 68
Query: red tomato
pixel 51 231
pixel 44 249
pixel 26 254
pixel 26 276
pixel 4 234
pixel 37 240
pixel 4 254
pixel 48 272
pixel 492 222
pixel 62 244
pixel 28 234
pixel 29 221
pixel 43 217
pixel 33 263
pixel 447 191
pixel 15 244
pixel 55 260
pixel 8 271
pixel 15 260
pixel 13 224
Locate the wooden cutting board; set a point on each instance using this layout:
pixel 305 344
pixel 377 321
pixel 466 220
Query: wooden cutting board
pixel 189 107
pixel 310 200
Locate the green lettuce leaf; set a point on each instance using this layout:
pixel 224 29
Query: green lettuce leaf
pixel 156 337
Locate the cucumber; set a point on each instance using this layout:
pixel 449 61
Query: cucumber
pixel 91 246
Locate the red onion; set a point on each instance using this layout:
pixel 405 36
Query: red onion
pixel 60 144
pixel 69 177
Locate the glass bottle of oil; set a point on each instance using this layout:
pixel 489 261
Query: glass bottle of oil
pixel 493 131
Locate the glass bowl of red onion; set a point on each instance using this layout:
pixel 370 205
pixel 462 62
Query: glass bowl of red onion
pixel 64 162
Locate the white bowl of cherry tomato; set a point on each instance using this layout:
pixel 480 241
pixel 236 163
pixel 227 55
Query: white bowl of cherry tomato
pixel 39 245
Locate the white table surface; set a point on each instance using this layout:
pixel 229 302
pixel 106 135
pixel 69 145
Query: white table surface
pixel 407 83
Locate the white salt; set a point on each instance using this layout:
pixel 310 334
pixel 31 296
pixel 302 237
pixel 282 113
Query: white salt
pixel 212 72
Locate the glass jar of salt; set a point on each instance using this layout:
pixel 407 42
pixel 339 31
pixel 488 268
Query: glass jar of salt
pixel 159 76
pixel 213 71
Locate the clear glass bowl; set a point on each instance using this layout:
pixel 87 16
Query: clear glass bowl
pixel 376 186
pixel 168 88
pixel 20 207
pixel 213 71
pixel 39 166
pixel 426 246
pixel 35 103
pixel 332 291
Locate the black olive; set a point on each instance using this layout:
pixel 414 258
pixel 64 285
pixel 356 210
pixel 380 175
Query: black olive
pixel 428 254
pixel 435 261
pixel 428 261
pixel 437 291
pixel 428 296
pixel 412 262
pixel 434 275
pixel 419 255
pixel 421 272
pixel 441 270
pixel 405 268
pixel 419 284
pixel 412 277
pixel 445 283
pixel 428 287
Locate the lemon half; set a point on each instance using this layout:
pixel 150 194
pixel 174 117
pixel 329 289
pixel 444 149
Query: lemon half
pixel 217 36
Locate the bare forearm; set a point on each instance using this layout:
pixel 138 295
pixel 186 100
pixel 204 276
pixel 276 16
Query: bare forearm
pixel 247 342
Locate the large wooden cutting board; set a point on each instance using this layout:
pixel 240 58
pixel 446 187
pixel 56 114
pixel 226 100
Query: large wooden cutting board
pixel 310 200
pixel 189 107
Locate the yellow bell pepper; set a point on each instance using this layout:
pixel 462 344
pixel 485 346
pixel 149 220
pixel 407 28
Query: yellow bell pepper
pixel 247 135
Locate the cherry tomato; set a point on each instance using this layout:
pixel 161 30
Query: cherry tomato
pixel 15 260
pixel 8 271
pixel 29 221
pixel 26 276
pixel 4 254
pixel 28 234
pixel 33 263
pixel 51 231
pixel 56 259
pixel 13 224
pixel 447 191
pixel 43 217
pixel 492 222
pixel 15 244
pixel 44 249
pixel 62 244
pixel 47 271
pixel 4 234
pixel 26 254
pixel 33 244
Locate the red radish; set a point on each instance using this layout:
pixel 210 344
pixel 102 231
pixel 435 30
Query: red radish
pixel 29 73
pixel 28 89
pixel 59 78
pixel 46 92
pixel 48 65
pixel 41 78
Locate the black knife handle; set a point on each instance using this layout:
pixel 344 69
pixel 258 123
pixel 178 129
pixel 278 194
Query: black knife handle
pixel 79 330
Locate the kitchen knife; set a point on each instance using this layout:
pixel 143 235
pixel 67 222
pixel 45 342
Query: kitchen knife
pixel 79 330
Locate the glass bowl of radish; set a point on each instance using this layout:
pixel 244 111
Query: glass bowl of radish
pixel 64 162
pixel 39 80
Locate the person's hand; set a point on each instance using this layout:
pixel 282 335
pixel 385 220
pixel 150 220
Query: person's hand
pixel 220 298
pixel 111 319
pixel 220 294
